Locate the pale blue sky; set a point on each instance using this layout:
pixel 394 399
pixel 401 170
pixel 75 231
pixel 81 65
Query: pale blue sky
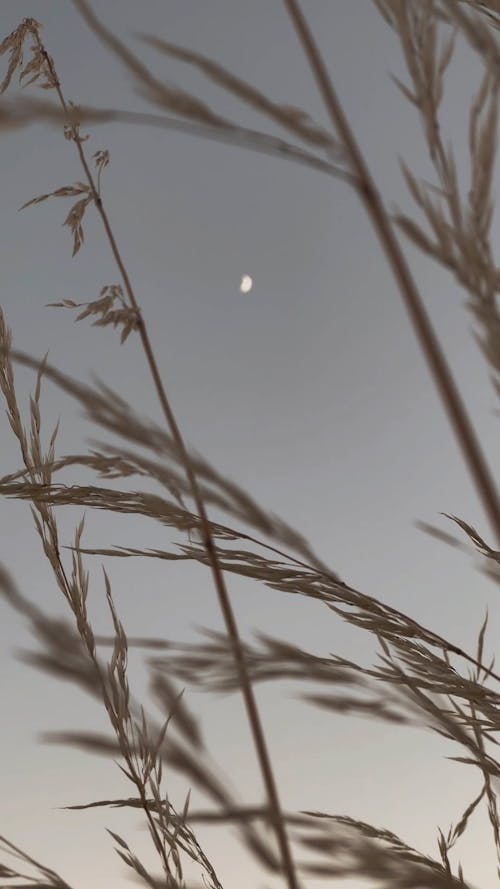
pixel 310 391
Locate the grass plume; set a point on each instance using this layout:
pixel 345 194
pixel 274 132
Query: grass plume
pixel 419 677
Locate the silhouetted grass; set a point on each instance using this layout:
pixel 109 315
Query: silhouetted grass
pixel 421 678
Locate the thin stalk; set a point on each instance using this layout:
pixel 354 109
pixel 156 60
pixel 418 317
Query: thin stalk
pixel 26 111
pixel 372 201
pixel 219 582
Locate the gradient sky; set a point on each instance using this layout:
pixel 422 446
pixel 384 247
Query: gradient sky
pixel 310 391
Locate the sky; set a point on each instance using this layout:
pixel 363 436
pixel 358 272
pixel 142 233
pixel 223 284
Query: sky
pixel 309 390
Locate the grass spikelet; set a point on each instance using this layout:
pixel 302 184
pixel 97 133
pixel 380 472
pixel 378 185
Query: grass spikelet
pixel 419 678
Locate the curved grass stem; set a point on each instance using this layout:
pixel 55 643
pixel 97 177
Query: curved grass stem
pixel 373 204
pixel 218 578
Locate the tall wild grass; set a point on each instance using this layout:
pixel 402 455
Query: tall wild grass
pixel 420 677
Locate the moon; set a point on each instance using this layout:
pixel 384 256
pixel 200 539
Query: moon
pixel 246 284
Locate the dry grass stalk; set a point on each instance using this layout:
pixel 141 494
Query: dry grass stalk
pixel 419 682
pixel 461 228
pixel 417 671
pixel 136 321
pixel 373 203
pixel 133 319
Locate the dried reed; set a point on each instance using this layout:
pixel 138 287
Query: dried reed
pixel 418 678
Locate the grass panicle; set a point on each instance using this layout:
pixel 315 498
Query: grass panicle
pixel 419 679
